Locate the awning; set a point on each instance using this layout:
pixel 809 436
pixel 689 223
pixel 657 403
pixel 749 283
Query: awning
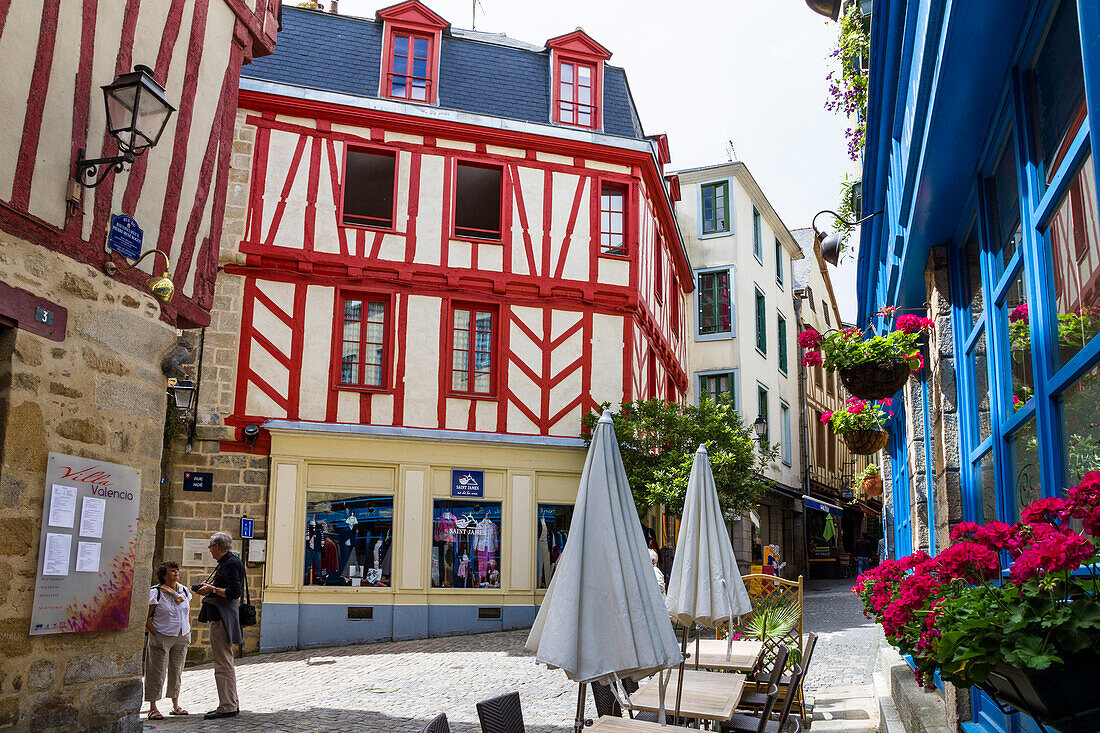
pixel 868 509
pixel 822 506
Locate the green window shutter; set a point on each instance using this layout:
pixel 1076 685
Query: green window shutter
pixel 781 334
pixel 761 324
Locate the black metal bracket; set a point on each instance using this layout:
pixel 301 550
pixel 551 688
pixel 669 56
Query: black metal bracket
pixel 91 173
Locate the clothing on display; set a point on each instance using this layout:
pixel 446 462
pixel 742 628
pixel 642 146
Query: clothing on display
pixel 465 545
pixel 342 534
pixel 553 532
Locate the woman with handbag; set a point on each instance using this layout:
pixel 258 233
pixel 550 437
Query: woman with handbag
pixel 221 596
pixel 168 628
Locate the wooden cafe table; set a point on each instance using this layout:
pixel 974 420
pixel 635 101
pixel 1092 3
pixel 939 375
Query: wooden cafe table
pixel 609 724
pixel 706 695
pixel 744 656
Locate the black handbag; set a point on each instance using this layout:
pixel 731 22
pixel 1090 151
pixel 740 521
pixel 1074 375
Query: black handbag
pixel 246 611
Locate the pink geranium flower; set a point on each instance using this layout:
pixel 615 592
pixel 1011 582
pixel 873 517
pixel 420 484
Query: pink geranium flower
pixel 809 339
pixel 1019 314
pixel 812 358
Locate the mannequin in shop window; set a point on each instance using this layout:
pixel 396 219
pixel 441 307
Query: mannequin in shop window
pixel 543 558
pixel 315 545
pixel 486 541
pixel 443 550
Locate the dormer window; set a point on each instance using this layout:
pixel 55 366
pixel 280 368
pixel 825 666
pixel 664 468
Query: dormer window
pixel 575 94
pixel 410 53
pixel 409 67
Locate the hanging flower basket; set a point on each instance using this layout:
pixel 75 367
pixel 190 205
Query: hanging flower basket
pixel 866 442
pixel 875 380
pixel 1063 695
pixel 872 486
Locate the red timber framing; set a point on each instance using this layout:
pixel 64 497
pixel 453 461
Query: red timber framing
pixel 531 274
pixel 255 27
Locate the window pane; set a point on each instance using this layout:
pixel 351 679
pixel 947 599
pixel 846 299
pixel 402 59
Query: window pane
pixel 1075 249
pixel 1019 337
pixel 349 363
pixel 368 188
pixel 1006 204
pixel 465 546
pixel 1058 88
pixel 1025 450
pixel 567 73
pixel 460 380
pixel 723 301
pixel 477 201
pixel 988 486
pixel 973 264
pixel 980 368
pixel 552 533
pixel 1081 427
pixel 349 540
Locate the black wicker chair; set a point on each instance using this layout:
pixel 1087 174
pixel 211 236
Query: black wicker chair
pixel 501 714
pixel 606 704
pixel 749 724
pixel 756 700
pixel 438 725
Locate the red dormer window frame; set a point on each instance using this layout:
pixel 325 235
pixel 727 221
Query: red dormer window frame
pixel 577 49
pixel 412 21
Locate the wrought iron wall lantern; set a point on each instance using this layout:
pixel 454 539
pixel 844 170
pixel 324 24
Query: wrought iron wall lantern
pixel 160 286
pixel 137 113
pixel 832 244
pixel 760 425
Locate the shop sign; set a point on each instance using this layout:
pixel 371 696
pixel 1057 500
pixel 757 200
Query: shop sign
pixel 125 236
pixel 86 554
pixel 198 481
pixel 246 528
pixel 467 484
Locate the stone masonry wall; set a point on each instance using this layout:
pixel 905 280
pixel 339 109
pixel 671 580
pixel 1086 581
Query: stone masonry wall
pixel 99 394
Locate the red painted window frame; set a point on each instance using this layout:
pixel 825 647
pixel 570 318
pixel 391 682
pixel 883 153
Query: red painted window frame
pixel 624 189
pixel 338 339
pixel 473 163
pixel 392 228
pixel 674 305
pixel 494 356
pixel 430 92
pixel 658 268
pixel 597 91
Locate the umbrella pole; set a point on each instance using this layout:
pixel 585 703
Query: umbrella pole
pixel 680 677
pixel 578 724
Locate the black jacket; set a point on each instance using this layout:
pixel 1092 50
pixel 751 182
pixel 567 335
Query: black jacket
pixel 229 575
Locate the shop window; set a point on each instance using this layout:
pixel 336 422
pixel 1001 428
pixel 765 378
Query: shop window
pixel 1080 413
pixel 715 309
pixel 368 188
pixel 1075 250
pixel 1025 453
pixel 465 550
pixel 363 342
pixel 613 220
pixel 472 351
pixel 576 94
pixel 349 540
pixel 409 75
pixel 1005 205
pixel 757 236
pixel 552 534
pixel 478 201
pixel 781 335
pixel 779 263
pixel 761 323
pixel 1057 88
pixel 718 387
pixel 1019 340
pixel 715 200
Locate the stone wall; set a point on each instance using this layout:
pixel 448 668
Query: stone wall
pixel 100 394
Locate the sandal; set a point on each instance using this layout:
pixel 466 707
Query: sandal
pixel 155 716
pixel 178 711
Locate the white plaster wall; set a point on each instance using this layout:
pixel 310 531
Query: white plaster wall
pixel 429 226
pixel 317 353
pixel 422 361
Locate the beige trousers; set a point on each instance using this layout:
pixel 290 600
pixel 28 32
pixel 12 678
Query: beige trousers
pixel 225 674
pixel 165 655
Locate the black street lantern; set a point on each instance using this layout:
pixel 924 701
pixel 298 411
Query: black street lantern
pixel 183 394
pixel 760 425
pixel 137 113
pixel 829 8
pixel 833 244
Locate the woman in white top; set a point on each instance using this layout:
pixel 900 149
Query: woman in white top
pixel 169 633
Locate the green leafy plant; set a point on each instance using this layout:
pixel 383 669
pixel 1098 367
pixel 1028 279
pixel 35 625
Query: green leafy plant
pixel 848 347
pixel 871 470
pixel 848 208
pixel 847 87
pixel 773 620
pixel 856 414
pixel 658 441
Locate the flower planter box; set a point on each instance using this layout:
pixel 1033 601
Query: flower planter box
pixel 866 442
pixel 1064 696
pixel 875 380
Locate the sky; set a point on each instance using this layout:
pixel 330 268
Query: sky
pixel 707 72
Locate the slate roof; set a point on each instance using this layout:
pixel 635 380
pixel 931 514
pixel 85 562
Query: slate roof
pixel 481 73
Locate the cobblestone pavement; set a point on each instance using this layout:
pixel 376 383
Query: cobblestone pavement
pixel 400 686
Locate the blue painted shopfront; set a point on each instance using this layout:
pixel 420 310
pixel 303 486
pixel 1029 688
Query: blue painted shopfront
pixel 979 141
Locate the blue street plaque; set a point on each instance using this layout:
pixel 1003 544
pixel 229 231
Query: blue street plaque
pixel 467 484
pixel 246 528
pixel 125 236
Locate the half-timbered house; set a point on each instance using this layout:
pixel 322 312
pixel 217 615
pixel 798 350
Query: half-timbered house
pixel 81 350
pixel 453 245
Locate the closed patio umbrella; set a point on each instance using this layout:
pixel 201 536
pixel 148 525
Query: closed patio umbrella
pixel 705 587
pixel 602 618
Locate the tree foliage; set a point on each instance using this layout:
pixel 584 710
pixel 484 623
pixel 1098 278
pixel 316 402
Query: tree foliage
pixel 658 441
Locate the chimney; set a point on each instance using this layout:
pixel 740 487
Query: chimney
pixel 332 7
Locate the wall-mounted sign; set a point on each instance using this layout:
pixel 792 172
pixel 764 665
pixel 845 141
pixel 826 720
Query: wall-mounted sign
pixel 246 528
pixel 198 481
pixel 125 236
pixel 467 484
pixel 196 552
pixel 86 554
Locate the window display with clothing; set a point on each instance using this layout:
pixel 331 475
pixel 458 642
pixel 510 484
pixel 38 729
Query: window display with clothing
pixel 465 549
pixel 349 540
pixel 553 532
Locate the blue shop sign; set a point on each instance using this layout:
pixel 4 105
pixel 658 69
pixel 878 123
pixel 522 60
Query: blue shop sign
pixel 246 528
pixel 467 484
pixel 125 236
